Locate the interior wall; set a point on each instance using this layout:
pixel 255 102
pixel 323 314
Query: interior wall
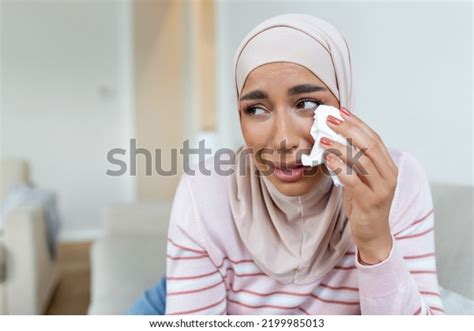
pixel 159 91
pixel 204 62
pixel 65 101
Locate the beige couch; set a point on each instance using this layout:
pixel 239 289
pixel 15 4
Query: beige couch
pixel 28 275
pixel 131 255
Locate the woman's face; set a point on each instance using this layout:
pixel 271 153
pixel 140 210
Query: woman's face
pixel 276 109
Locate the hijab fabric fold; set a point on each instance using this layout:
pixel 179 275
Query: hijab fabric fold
pixel 293 239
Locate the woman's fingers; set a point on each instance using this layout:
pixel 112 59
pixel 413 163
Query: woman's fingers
pixel 370 144
pixel 355 159
pixel 368 130
pixel 348 178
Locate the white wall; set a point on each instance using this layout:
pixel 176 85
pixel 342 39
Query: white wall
pixel 413 73
pixel 66 100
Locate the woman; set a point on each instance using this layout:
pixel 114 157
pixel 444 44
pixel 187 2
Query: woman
pixel 288 241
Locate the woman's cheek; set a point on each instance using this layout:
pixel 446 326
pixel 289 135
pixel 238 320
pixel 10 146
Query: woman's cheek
pixel 256 134
pixel 304 128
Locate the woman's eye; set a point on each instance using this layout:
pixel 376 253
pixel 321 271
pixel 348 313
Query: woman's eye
pixel 308 105
pixel 254 111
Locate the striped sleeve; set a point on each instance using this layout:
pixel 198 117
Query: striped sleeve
pixel 194 285
pixel 406 282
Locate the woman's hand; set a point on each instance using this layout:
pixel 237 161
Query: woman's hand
pixel 369 176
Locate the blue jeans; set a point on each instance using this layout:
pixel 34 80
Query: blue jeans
pixel 153 301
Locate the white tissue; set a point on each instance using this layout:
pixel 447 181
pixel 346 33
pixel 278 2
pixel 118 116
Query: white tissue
pixel 321 129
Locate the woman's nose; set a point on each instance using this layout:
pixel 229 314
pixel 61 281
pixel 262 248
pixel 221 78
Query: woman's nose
pixel 285 135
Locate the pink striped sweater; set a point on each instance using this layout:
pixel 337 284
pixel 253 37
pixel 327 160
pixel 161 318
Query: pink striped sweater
pixel 210 271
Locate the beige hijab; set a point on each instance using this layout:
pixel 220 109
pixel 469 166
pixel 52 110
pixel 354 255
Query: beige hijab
pixel 294 239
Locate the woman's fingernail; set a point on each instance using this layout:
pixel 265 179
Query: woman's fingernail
pixel 345 111
pixel 326 141
pixel 328 156
pixel 333 120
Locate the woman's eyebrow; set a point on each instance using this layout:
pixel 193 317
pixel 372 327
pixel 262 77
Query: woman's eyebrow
pixel 256 94
pixel 305 88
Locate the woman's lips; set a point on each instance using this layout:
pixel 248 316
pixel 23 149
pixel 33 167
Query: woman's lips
pixel 290 174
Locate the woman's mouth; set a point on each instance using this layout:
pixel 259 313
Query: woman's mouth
pixel 290 173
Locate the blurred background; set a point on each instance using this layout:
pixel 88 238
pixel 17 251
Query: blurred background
pixel 82 77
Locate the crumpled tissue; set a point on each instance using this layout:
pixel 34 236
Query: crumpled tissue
pixel 321 129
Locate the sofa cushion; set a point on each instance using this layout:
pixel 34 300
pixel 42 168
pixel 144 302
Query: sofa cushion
pixel 123 267
pixel 12 172
pixel 456 304
pixel 3 275
pixel 137 218
pixel 453 216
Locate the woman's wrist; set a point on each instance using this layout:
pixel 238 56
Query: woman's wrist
pixel 375 253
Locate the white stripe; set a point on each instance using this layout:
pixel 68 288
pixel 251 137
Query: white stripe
pixel 432 300
pixel 197 305
pixel 179 252
pixel 193 284
pixel 428 263
pixel 423 310
pixel 347 261
pixel 239 268
pixel 418 228
pixel 340 295
pixel 284 300
pixel 220 308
